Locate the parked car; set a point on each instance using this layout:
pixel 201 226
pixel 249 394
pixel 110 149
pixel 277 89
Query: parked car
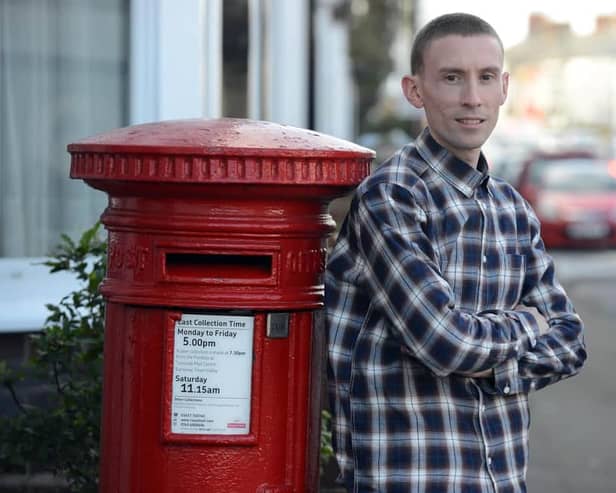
pixel 575 200
pixel 529 174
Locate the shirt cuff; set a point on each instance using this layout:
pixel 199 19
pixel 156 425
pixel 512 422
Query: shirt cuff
pixel 506 379
pixel 530 328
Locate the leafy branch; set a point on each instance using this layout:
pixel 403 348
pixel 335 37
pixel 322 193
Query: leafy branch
pixel 63 437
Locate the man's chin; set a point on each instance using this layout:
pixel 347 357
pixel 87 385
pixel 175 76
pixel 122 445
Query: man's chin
pixel 472 144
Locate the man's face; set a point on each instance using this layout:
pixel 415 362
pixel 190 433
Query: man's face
pixel 461 88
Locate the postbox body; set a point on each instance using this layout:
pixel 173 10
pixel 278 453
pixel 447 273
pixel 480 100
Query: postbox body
pixel 217 235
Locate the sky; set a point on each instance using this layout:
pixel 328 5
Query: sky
pixel 510 19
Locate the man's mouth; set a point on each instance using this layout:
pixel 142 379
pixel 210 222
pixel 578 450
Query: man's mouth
pixel 470 121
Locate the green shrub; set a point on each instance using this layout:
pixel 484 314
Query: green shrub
pixel 63 437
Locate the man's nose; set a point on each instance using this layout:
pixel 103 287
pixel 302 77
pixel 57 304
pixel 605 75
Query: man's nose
pixel 471 94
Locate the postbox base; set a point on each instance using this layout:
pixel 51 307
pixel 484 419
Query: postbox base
pixel 141 450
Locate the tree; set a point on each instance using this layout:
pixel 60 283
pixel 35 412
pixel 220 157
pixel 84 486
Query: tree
pixel 373 28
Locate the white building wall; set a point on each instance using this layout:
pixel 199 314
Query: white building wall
pixel 176 71
pixel 176 59
pixel 334 89
pixel 287 62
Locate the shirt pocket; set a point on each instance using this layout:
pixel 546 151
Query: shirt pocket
pixel 512 279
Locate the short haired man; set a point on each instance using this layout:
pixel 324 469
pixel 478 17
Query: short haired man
pixel 433 348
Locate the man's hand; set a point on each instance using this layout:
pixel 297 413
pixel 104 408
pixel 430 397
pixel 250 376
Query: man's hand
pixel 541 321
pixel 482 374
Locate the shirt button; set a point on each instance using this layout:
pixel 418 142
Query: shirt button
pixel 533 385
pixel 484 259
pixel 483 409
pixel 489 461
pixel 507 389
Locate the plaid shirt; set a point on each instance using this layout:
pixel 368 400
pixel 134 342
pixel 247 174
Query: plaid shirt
pixel 421 292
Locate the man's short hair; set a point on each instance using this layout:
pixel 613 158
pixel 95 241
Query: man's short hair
pixel 460 24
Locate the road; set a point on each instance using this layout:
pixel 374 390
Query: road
pixel 573 430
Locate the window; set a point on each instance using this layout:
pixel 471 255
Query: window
pixel 63 77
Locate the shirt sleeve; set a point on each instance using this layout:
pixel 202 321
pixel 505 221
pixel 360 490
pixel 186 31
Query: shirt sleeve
pixel 561 351
pixel 402 276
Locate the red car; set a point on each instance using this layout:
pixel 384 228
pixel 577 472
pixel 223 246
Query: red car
pixel 529 175
pixel 575 200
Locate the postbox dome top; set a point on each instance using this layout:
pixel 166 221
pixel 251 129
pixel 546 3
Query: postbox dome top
pixel 220 137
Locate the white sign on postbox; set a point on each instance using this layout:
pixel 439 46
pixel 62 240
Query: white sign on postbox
pixel 212 373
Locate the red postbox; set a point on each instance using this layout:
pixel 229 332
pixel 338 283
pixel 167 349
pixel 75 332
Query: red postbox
pixel 213 344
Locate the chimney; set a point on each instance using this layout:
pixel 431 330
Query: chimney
pixel 540 25
pixel 605 23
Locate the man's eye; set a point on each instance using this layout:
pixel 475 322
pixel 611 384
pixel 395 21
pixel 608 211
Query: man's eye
pixel 452 78
pixel 487 77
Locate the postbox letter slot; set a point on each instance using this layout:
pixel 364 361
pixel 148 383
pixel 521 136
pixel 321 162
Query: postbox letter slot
pixel 219 266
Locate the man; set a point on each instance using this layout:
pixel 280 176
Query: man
pixel 435 291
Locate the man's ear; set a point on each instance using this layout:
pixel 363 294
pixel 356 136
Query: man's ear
pixel 505 87
pixel 410 88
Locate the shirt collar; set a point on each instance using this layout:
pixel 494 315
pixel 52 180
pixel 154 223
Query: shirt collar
pixel 455 171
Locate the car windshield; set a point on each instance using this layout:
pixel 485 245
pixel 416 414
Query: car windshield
pixel 539 167
pixel 566 178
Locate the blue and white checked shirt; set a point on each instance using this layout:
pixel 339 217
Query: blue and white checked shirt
pixel 421 292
